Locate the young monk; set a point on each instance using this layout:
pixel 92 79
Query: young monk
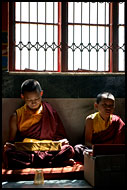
pixel 102 127
pixel 36 119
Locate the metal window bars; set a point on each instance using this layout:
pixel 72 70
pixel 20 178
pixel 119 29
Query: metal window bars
pixel 104 49
pixel 45 46
pixel 89 46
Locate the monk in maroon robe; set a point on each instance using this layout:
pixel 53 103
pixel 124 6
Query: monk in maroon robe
pixel 36 120
pixel 102 127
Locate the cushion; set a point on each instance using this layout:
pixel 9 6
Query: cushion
pixel 68 172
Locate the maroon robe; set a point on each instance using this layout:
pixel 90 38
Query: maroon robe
pixel 114 134
pixel 50 127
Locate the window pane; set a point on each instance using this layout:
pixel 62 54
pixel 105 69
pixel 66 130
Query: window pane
pixel 93 60
pixel 49 34
pixel 56 12
pixel 122 48
pixel 70 59
pixel 121 36
pixel 107 13
pixel 25 7
pixel 121 60
pixel 85 13
pixel 33 59
pixel 52 16
pixel 70 12
pixel 24 33
pixel 77 12
pixel 74 59
pixel 49 60
pixel 55 56
pixel 85 32
pixel 70 36
pixel 103 60
pixel 33 34
pixel 77 35
pixel 17 12
pixel 33 9
pixel 24 62
pixel 41 34
pixel 85 59
pixel 49 12
pixel 77 60
pixel 41 59
pixel 41 12
pixel 101 15
pixel 93 13
pixel 121 13
pixel 103 35
pixel 93 35
pixel 17 58
pixel 17 33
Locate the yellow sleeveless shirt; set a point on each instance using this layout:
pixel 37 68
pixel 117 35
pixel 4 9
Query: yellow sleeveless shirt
pixel 99 123
pixel 26 118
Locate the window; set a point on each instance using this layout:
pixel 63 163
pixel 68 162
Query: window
pixel 67 36
pixel 36 36
pixel 88 36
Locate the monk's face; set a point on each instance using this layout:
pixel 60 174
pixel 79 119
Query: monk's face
pixel 32 99
pixel 105 107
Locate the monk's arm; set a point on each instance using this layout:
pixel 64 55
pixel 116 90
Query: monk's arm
pixel 64 141
pixel 12 127
pixel 88 132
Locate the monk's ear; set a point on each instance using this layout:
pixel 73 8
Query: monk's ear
pixel 22 96
pixel 95 105
pixel 41 93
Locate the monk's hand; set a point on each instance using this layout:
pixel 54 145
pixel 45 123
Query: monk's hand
pixel 64 141
pixel 8 145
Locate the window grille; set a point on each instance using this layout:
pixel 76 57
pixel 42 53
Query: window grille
pixel 37 36
pixel 41 43
pixel 88 36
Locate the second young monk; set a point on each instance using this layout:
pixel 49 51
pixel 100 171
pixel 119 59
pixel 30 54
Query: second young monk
pixel 36 119
pixel 102 127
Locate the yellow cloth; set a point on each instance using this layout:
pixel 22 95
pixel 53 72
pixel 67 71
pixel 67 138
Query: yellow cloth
pixel 26 118
pixel 38 145
pixel 99 123
pixel 35 140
